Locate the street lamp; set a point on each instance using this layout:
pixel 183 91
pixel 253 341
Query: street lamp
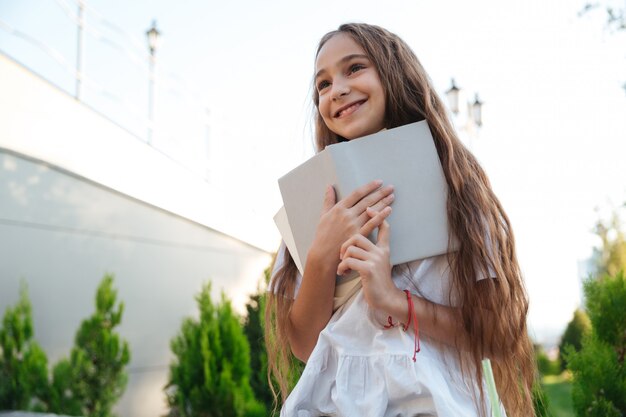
pixel 453 97
pixel 467 114
pixel 477 111
pixel 153 36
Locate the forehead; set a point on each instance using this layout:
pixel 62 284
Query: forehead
pixel 337 47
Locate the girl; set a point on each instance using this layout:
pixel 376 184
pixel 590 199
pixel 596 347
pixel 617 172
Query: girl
pixel 469 304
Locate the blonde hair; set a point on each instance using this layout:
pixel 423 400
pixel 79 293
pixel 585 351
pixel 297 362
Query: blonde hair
pixel 492 311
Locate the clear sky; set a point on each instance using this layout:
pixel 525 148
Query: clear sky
pixel 554 135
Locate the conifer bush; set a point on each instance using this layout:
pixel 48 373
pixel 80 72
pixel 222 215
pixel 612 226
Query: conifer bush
pixel 23 364
pixel 598 369
pixel 94 377
pixel 210 375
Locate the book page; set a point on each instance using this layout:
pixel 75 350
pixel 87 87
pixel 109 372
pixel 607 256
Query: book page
pixel 282 223
pixel 303 191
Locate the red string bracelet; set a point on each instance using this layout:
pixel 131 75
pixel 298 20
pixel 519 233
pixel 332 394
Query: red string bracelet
pixel 412 317
pixel 389 324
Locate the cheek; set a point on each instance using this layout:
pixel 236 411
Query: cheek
pixel 323 110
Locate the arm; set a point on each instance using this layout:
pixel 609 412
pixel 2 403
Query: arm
pixel 440 322
pixel 313 305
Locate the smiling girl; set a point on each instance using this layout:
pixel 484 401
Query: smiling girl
pixel 469 304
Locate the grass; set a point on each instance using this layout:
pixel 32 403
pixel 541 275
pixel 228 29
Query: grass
pixel 558 389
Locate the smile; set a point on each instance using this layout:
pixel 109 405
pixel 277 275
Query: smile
pixel 349 109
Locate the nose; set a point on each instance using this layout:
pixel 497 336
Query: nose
pixel 340 89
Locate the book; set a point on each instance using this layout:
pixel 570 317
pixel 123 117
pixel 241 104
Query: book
pixel 405 157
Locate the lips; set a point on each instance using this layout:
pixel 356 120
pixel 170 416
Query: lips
pixel 349 108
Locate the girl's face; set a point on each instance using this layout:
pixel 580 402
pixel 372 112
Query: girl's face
pixel 351 96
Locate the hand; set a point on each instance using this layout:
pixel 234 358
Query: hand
pixel 339 221
pixel 371 261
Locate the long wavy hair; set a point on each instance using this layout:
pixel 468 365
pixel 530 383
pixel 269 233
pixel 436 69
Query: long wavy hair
pixel 492 311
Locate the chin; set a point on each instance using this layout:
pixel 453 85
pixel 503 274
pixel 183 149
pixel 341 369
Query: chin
pixel 359 133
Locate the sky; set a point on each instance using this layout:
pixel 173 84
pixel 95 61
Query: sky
pixel 233 89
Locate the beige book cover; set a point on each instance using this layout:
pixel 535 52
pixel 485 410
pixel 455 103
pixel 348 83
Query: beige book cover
pixel 405 157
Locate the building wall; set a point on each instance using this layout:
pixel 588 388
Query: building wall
pixel 61 234
pixel 81 197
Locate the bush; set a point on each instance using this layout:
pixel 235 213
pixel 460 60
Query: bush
pixel 210 375
pixel 576 329
pixel 598 369
pixel 23 364
pixel 91 381
pixel 545 365
pixel 254 330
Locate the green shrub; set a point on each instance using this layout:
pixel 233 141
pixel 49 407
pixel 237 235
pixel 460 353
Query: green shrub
pixel 91 381
pixel 576 329
pixel 23 364
pixel 210 375
pixel 599 372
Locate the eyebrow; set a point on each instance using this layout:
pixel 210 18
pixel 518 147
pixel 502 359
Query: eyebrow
pixel 343 60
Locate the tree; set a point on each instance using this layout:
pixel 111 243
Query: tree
pixel 254 330
pixel 23 364
pixel 615 15
pixel 210 375
pixel 610 258
pixel 576 329
pixel 91 381
pixel 545 365
pixel 599 371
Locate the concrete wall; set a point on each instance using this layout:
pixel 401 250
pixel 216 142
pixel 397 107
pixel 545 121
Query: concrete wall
pixel 80 197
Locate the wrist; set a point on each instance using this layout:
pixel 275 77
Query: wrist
pixel 396 305
pixel 322 261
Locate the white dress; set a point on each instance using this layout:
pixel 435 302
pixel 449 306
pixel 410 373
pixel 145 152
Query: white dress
pixel 359 369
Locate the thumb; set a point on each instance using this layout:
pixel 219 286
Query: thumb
pixel 329 199
pixel 383 234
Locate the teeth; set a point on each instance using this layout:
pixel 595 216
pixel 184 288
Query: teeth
pixel 349 109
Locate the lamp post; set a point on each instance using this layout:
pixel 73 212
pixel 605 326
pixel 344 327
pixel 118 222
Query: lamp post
pixel 453 97
pixel 80 49
pixel 153 36
pixel 470 121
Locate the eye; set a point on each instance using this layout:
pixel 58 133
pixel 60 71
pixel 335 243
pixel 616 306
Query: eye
pixel 322 85
pixel 355 67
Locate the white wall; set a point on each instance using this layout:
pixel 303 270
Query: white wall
pixel 80 197
pixel 41 121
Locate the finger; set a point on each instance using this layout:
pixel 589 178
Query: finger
pixel 357 240
pixel 373 198
pixel 356 253
pixel 381 204
pixel 349 264
pixel 378 206
pixel 329 199
pixel 383 235
pixel 358 194
pixel 377 218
